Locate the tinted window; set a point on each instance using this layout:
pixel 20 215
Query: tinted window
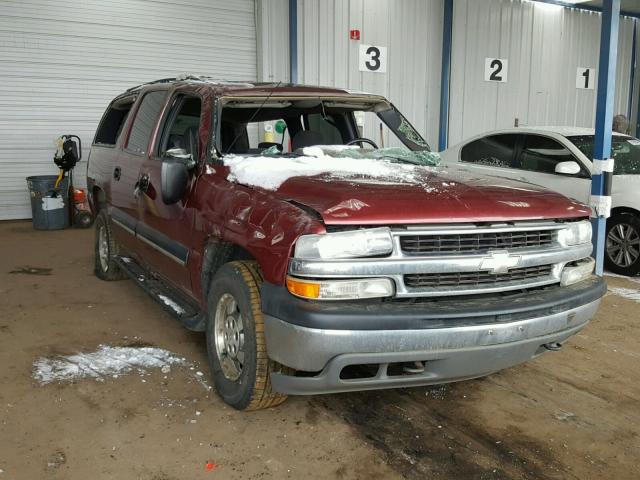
pixel 541 154
pixel 625 152
pixel 493 151
pixel 145 120
pixel 112 122
pixel 181 131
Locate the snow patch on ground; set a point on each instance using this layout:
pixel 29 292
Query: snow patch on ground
pixel 104 362
pixel 270 173
pixel 628 293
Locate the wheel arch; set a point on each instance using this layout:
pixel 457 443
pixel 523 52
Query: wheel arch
pixel 625 210
pixel 218 252
pixel 98 199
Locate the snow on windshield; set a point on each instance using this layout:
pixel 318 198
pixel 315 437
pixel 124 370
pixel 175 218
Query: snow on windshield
pixel 377 166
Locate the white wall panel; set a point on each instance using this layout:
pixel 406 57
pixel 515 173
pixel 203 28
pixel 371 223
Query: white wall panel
pixel 273 40
pixel 410 29
pixel 545 44
pixel 62 61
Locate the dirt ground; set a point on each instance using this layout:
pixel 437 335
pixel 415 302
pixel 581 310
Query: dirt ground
pixel 573 414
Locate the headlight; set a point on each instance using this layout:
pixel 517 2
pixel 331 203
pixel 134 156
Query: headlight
pixel 576 272
pixel 340 289
pixel 356 243
pixel 575 233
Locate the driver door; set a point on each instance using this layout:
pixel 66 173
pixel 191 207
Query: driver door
pixel 167 229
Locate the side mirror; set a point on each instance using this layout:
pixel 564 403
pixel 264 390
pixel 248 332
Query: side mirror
pixel 180 154
pixel 174 179
pixel 567 168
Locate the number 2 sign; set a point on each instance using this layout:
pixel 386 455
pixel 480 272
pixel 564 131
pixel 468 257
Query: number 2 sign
pixel 495 69
pixel 586 78
pixel 373 59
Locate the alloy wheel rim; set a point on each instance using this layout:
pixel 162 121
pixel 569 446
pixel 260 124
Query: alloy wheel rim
pixel 623 245
pixel 103 249
pixel 229 337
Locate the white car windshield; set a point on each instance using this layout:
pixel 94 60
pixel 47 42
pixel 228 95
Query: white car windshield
pixel 625 152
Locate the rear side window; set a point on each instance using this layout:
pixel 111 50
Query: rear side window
pixel 492 151
pixel 541 154
pixel 112 122
pixel 145 121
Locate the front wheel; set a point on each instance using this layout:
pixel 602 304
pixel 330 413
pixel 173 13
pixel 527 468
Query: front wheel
pixel 622 249
pixel 235 339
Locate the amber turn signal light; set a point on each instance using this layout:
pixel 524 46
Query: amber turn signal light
pixel 303 289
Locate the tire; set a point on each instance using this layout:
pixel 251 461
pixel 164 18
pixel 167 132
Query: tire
pixel 234 307
pixel 622 247
pixel 106 268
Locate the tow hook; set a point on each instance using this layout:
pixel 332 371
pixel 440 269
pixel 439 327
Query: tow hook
pixel 553 347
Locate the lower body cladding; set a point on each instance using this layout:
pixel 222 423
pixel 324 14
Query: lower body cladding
pixel 335 349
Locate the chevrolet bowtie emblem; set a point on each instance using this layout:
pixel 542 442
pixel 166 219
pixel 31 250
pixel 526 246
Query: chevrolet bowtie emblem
pixel 499 262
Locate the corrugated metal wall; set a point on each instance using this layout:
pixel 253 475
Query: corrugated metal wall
pixel 544 44
pixel 273 40
pixel 410 29
pixel 62 61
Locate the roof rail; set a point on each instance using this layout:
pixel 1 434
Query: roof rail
pixel 162 80
pixel 187 77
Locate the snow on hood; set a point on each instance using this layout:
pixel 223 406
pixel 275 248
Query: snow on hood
pixel 270 172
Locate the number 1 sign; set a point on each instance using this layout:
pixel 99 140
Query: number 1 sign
pixel 586 78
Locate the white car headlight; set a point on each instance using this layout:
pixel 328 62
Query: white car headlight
pixel 575 233
pixel 352 244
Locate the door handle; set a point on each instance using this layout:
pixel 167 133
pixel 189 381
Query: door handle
pixel 141 185
pixel 117 173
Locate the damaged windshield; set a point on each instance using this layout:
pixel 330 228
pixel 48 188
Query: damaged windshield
pixel 625 152
pixel 361 127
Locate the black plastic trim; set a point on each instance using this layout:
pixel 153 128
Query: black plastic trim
pixel 163 243
pixel 437 313
pixel 124 219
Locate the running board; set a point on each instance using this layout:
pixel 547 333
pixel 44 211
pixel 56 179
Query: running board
pixel 172 301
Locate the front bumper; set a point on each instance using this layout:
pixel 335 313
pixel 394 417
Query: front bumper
pixel 473 340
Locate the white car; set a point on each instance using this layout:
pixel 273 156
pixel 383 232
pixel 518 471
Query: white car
pixel 559 158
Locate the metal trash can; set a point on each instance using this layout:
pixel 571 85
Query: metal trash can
pixel 49 205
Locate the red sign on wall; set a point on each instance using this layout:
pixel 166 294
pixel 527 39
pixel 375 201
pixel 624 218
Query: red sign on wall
pixel 354 34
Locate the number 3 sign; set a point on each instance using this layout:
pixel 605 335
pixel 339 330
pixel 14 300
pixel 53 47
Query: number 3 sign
pixel 373 59
pixel 495 69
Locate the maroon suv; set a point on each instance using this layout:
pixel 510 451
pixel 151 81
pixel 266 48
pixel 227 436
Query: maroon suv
pixel 310 233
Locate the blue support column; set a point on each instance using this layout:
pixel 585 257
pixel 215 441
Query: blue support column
pixel 293 41
pixel 601 179
pixel 636 130
pixel 445 78
pixel 632 79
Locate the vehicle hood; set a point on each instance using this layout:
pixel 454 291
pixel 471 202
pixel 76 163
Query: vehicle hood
pixel 433 195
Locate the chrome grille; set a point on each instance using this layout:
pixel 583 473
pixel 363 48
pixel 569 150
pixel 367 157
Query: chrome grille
pixel 475 242
pixel 460 259
pixel 476 279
